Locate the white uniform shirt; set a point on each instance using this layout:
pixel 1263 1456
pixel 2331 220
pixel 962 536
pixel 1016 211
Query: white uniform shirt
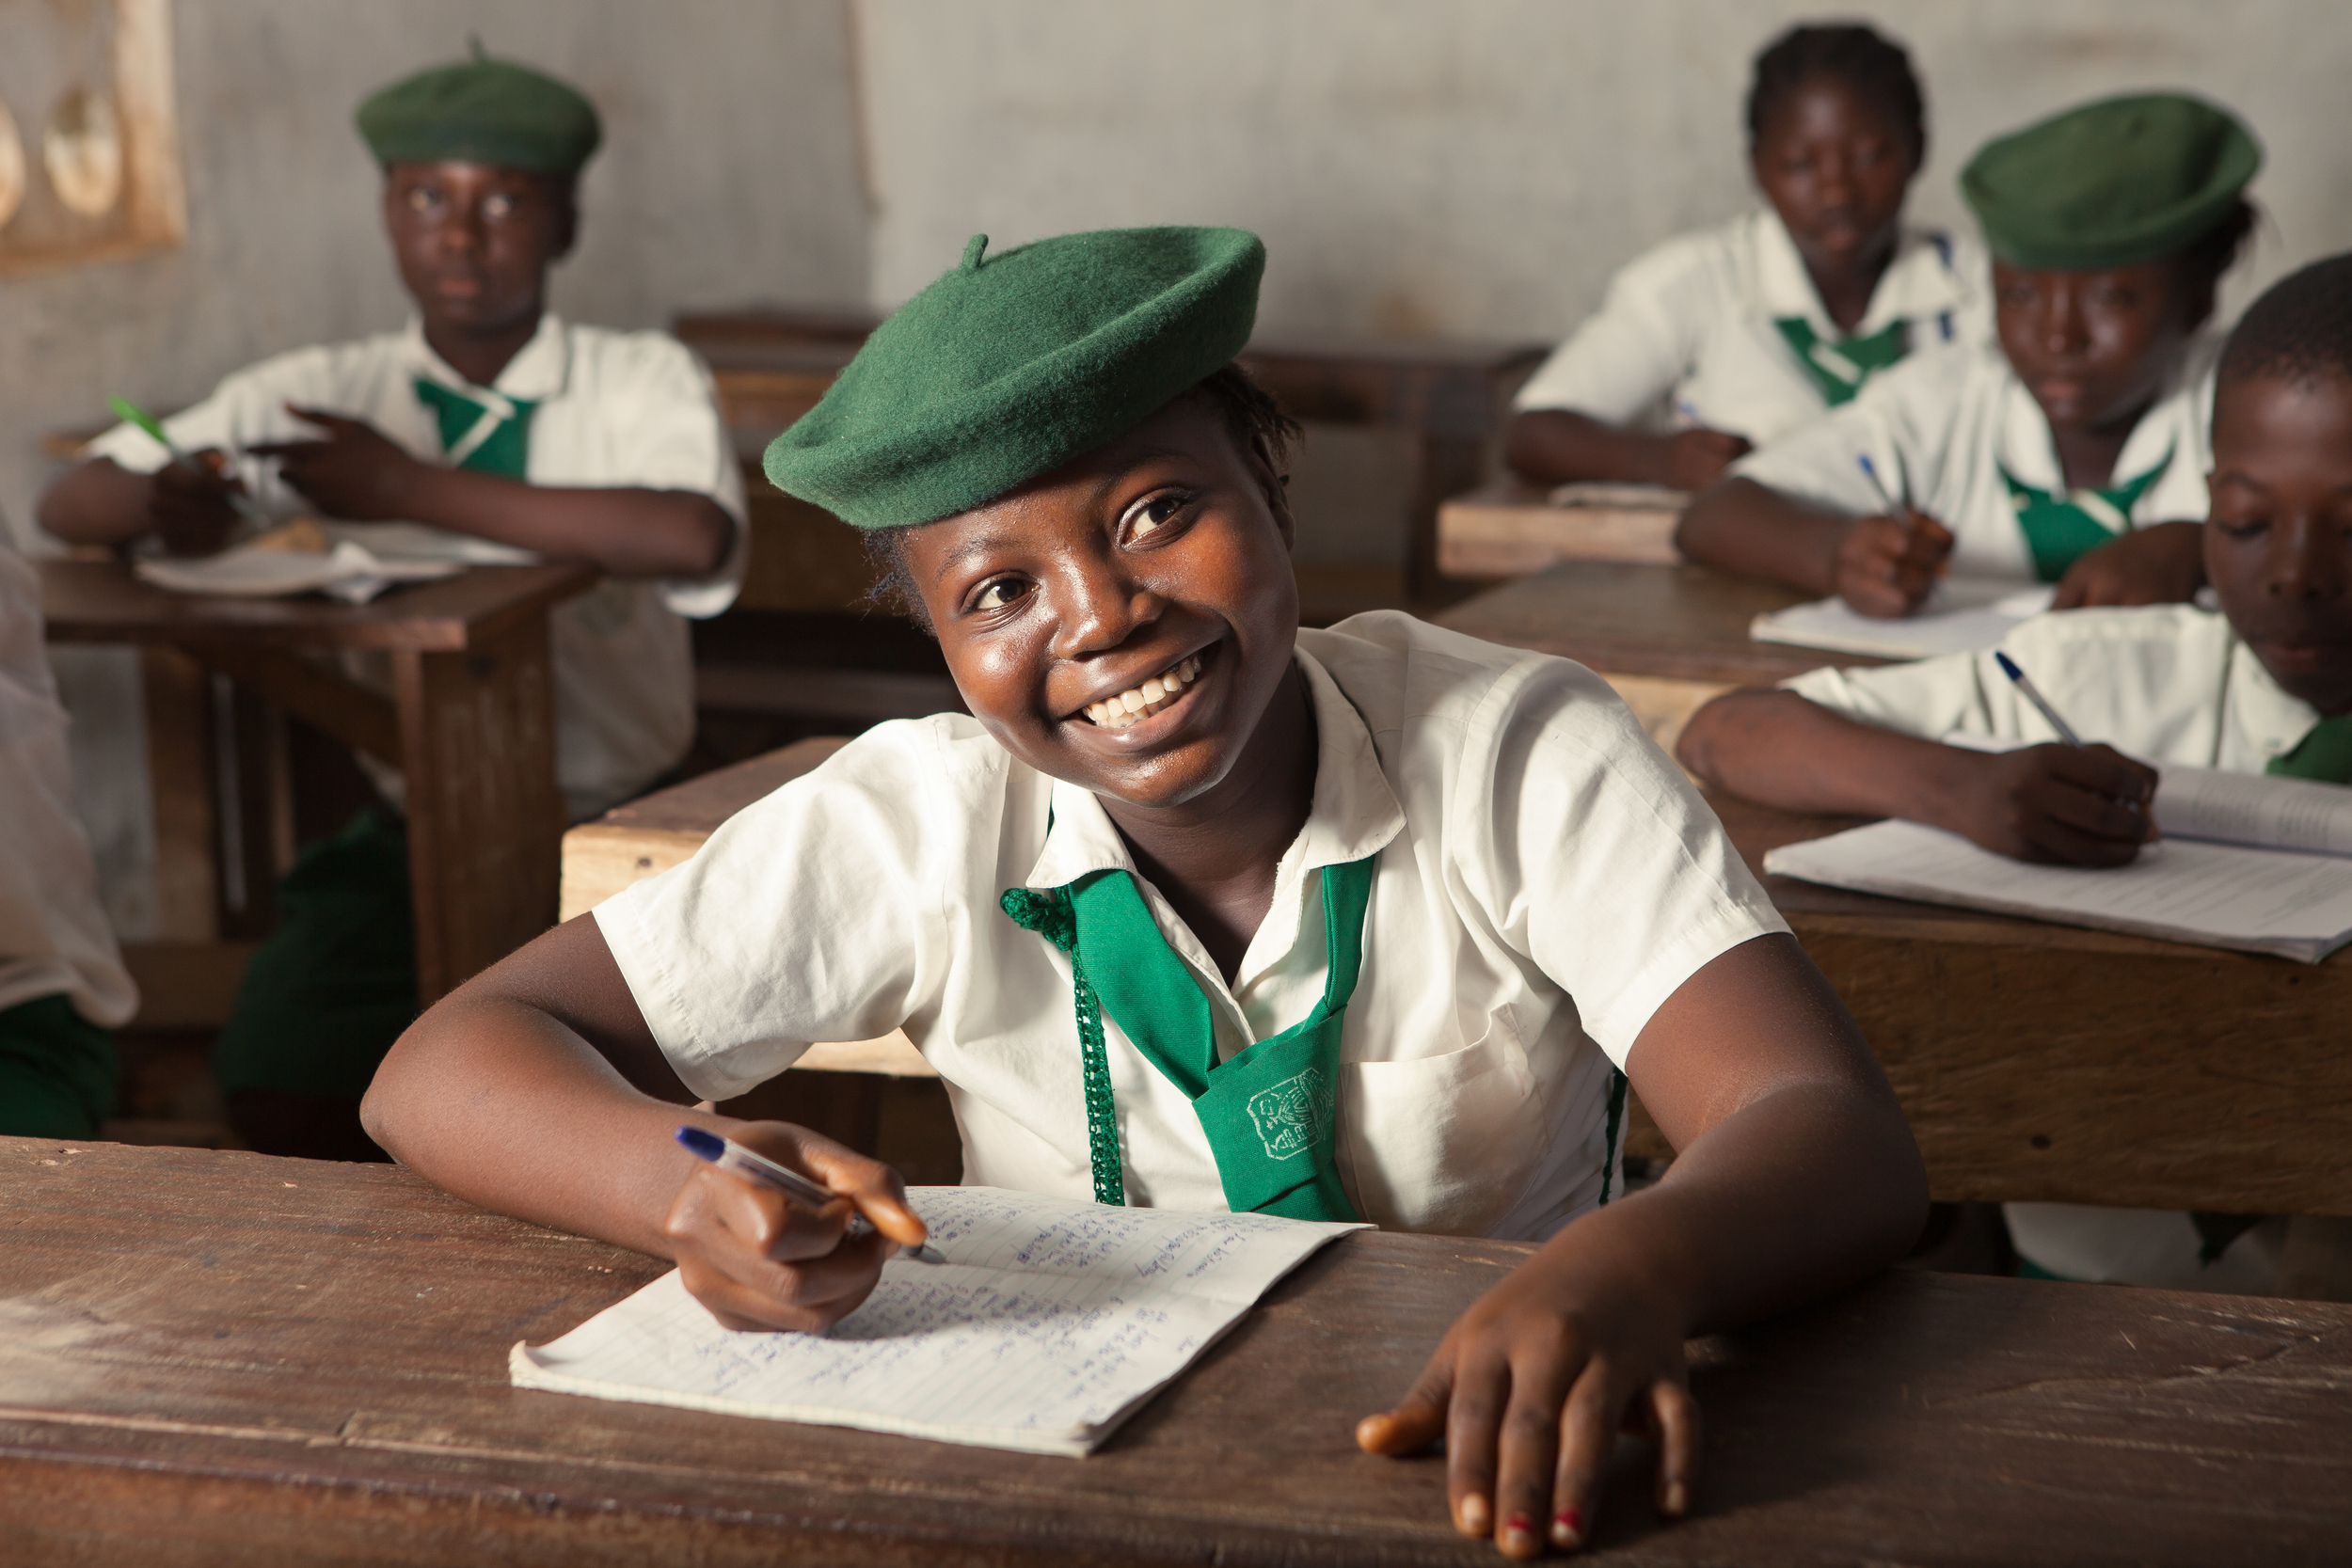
pixel 54 936
pixel 616 409
pixel 1685 336
pixel 2165 683
pixel 1938 429
pixel 1546 879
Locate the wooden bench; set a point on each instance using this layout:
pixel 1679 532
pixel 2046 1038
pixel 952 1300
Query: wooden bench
pixel 210 1357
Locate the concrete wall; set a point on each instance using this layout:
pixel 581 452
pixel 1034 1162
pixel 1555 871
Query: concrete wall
pixel 730 172
pixel 1480 167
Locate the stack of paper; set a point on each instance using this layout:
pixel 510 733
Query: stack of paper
pixel 2279 879
pixel 1959 617
pixel 1050 1322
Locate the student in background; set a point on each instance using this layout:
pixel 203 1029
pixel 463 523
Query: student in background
pixel 489 430
pixel 1198 909
pixel 2072 450
pixel 1733 336
pixel 62 987
pixel 2262 684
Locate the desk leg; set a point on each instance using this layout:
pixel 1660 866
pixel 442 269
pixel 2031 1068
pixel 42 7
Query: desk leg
pixel 177 693
pixel 486 821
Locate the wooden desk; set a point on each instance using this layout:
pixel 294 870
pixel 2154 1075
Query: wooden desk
pixel 470 723
pixel 1510 528
pixel 213 1357
pixel 773 365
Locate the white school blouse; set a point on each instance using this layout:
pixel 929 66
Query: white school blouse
pixel 54 936
pixel 1546 879
pixel 1685 336
pixel 1940 427
pixel 2165 683
pixel 616 409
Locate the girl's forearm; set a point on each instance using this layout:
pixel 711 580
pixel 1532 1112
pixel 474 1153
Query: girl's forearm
pixel 1780 750
pixel 1554 445
pixel 627 533
pixel 1757 532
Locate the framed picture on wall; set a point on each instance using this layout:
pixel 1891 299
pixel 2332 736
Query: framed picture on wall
pixel 89 139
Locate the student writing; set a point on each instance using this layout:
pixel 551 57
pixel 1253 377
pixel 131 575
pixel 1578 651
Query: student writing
pixel 489 430
pixel 2062 452
pixel 1734 335
pixel 2262 685
pixel 1199 909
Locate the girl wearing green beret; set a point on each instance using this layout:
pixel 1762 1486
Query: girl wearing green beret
pixel 1198 909
pixel 1734 335
pixel 2074 451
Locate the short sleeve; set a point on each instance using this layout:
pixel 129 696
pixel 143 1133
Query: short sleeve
pixel 1932 698
pixel 1885 448
pixel 1597 854
pixel 814 915
pixel 672 438
pixel 1633 352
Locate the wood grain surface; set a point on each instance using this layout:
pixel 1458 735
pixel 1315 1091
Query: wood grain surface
pixel 214 1358
pixel 1511 529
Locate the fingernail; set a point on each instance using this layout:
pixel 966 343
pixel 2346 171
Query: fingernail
pixel 1518 1531
pixel 1476 1519
pixel 1677 1498
pixel 1568 1528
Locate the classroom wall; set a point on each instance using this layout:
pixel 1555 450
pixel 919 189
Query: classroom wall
pixel 1480 167
pixel 729 173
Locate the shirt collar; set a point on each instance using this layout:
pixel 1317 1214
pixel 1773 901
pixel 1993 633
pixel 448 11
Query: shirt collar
pixel 2270 717
pixel 1353 813
pixel 541 369
pixel 1918 283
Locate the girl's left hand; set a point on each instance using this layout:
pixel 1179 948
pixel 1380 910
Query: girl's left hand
pixel 1529 1389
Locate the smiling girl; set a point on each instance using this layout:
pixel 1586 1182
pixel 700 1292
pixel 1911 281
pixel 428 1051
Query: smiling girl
pixel 1201 911
pixel 1733 336
pixel 2074 449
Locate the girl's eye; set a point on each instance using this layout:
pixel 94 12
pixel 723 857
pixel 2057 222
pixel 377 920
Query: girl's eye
pixel 497 206
pixel 424 201
pixel 999 593
pixel 1152 515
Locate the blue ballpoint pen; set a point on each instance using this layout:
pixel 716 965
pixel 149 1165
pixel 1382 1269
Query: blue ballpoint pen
pixel 757 1168
pixel 2042 704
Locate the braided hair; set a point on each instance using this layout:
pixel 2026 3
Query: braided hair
pixel 1874 66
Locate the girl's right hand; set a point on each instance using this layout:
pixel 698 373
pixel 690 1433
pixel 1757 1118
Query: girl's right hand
pixel 1887 564
pixel 759 1261
pixel 188 504
pixel 2060 806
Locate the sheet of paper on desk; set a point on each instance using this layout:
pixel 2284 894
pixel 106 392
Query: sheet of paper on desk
pixel 2256 809
pixel 2297 905
pixel 1961 616
pixel 350 571
pixel 1050 1322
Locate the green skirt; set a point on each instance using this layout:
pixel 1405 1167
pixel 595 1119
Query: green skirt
pixel 56 1071
pixel 333 987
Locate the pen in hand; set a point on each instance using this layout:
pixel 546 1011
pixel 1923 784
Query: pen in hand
pixel 130 413
pixel 2032 693
pixel 757 1168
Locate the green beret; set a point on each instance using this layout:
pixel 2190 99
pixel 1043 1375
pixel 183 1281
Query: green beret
pixel 1012 364
pixel 2110 184
pixel 482 111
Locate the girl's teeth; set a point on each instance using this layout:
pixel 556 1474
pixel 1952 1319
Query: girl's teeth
pixel 1117 713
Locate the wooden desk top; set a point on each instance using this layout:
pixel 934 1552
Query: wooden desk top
pixel 214 1354
pixel 1683 622
pixel 100 601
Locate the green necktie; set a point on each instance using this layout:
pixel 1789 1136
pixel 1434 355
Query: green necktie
pixel 1840 368
pixel 2063 526
pixel 504 451
pixel 1269 1112
pixel 2324 754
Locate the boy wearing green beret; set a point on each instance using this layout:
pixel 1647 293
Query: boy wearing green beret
pixel 489 430
pixel 2261 684
pixel 2074 450
pixel 1199 909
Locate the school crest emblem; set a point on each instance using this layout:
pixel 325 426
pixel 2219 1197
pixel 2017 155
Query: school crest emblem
pixel 1293 1116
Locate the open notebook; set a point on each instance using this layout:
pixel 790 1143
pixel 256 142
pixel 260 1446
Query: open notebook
pixel 1961 616
pixel 2258 864
pixel 1050 1322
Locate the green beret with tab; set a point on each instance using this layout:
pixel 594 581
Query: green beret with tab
pixel 482 111
pixel 1010 365
pixel 2111 184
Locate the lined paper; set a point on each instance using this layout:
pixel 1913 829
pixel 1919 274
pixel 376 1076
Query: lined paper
pixel 1961 616
pixel 1050 1322
pixel 2297 905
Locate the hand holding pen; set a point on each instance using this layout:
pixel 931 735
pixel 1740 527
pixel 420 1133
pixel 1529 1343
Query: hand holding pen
pixel 764 1253
pixel 196 503
pixel 1887 564
pixel 2071 803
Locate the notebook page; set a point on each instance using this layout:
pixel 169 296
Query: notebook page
pixel 1049 1323
pixel 2217 894
pixel 2254 808
pixel 1959 617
